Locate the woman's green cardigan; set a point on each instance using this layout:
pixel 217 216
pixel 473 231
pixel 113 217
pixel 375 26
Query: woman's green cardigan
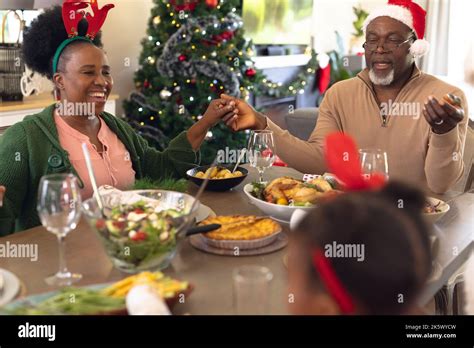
pixel 30 149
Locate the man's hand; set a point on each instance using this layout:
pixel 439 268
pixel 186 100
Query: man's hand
pixel 246 116
pixel 2 194
pixel 442 116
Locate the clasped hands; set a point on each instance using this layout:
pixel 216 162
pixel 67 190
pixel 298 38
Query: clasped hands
pixel 235 113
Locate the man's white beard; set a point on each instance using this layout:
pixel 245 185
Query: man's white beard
pixel 381 81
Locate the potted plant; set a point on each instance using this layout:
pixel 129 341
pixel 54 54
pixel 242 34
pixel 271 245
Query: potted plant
pixel 357 38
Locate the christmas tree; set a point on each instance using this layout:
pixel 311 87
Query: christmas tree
pixel 194 52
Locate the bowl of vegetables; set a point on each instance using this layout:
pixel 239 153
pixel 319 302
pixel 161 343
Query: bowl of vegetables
pixel 221 178
pixel 142 232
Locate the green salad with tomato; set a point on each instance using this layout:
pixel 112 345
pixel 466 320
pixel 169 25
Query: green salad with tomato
pixel 139 233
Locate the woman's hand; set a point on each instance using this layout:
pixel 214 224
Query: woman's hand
pixel 217 110
pixel 2 194
pixel 246 116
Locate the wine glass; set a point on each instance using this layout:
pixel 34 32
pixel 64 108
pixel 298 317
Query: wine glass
pixel 59 209
pixel 261 151
pixel 374 161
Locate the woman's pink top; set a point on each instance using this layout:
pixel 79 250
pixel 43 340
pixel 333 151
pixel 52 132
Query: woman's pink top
pixel 112 167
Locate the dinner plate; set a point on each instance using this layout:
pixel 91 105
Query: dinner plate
pixel 204 212
pixel 11 286
pixel 281 242
pixel 38 298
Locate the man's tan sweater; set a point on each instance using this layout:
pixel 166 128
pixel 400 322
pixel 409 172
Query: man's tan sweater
pixel 415 154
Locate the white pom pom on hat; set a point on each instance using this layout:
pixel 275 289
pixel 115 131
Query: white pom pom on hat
pixel 323 60
pixel 410 14
pixel 419 47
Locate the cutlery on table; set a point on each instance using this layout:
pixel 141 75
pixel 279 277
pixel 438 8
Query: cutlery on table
pixel 242 154
pixel 185 219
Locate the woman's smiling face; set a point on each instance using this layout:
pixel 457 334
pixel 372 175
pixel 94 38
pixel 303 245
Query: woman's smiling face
pixel 84 76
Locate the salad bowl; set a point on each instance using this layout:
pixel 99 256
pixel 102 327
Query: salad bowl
pixel 141 232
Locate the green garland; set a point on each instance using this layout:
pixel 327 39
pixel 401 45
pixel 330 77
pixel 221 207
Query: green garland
pixel 298 85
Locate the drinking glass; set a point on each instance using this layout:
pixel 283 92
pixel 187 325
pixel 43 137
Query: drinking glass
pixel 261 151
pixel 59 209
pixel 374 161
pixel 251 289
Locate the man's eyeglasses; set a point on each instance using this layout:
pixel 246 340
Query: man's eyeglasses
pixel 389 46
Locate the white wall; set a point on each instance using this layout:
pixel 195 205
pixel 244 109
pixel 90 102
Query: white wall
pixel 332 15
pixel 121 35
pixel 123 30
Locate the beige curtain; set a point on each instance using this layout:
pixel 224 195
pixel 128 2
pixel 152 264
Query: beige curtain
pixel 437 33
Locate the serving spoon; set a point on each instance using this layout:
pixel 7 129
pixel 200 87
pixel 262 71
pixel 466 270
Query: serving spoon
pixel 242 154
pixel 185 219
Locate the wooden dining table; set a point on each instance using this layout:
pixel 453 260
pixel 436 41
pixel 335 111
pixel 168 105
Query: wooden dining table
pixel 211 275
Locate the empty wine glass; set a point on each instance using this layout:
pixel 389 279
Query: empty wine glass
pixel 261 151
pixel 374 161
pixel 59 209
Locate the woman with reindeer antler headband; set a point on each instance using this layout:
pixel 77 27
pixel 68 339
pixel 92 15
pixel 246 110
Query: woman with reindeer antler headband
pixel 64 45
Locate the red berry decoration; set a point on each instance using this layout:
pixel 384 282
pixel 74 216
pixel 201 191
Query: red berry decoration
pixel 182 58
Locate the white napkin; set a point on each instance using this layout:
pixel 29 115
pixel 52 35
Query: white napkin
pixel 110 193
pixel 144 300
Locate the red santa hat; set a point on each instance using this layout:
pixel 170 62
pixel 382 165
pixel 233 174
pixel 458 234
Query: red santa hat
pixel 410 14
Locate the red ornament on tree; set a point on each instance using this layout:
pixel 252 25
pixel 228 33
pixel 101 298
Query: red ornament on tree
pixel 146 84
pixel 212 3
pixel 227 35
pixel 250 72
pixel 182 58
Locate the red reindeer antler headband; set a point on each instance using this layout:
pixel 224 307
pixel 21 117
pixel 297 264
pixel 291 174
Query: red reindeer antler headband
pixel 342 158
pixel 332 283
pixel 73 12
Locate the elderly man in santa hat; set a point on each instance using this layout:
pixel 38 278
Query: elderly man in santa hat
pixel 391 105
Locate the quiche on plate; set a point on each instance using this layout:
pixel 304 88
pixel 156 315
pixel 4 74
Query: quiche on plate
pixel 242 231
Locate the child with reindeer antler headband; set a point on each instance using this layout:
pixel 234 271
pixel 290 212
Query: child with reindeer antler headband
pixel 363 252
pixel 64 45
